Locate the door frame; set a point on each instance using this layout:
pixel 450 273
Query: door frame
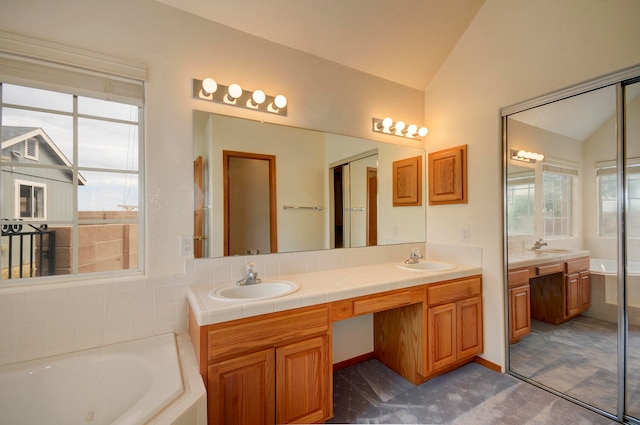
pixel 273 222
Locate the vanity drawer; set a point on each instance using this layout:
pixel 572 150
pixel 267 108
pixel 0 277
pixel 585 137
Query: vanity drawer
pixel 386 302
pixel 577 265
pixel 453 291
pixel 549 269
pixel 253 334
pixel 518 278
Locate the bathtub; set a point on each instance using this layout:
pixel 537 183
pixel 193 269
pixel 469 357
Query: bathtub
pixel 608 269
pixel 123 384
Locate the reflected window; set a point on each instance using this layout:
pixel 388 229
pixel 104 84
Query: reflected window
pixel 557 201
pixel 521 197
pixel 608 202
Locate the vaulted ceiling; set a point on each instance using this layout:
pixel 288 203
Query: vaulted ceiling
pixel 405 41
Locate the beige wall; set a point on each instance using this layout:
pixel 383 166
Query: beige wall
pixel 514 50
pixel 177 47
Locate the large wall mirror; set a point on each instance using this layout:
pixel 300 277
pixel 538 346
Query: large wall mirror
pixel 572 222
pixel 263 188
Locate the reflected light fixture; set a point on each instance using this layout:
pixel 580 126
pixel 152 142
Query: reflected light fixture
pixel 399 128
pixel 526 156
pixel 234 95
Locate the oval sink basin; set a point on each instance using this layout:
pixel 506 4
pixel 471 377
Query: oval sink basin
pixel 428 266
pixel 256 292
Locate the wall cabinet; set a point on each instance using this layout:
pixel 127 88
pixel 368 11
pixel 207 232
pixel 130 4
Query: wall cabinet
pixel 268 369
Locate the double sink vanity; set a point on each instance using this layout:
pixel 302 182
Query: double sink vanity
pixel 265 353
pixel 549 285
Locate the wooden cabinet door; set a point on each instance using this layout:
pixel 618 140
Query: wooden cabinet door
pixel 442 336
pixel 585 290
pixel 469 327
pixel 571 295
pixel 242 390
pixel 303 382
pixel 520 313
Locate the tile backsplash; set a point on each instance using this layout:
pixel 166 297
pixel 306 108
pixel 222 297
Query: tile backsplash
pixel 50 319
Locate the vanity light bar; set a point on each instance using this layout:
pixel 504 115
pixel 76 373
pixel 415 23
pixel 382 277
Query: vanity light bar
pixel 526 156
pixel 399 128
pixel 234 95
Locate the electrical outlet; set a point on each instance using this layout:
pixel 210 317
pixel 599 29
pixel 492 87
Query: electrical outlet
pixel 186 246
pixel 465 234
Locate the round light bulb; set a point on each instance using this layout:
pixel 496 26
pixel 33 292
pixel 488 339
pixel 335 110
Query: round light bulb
pixel 411 130
pixel 258 97
pixel 423 131
pixel 235 91
pixel 521 153
pixel 280 101
pixel 399 126
pixel 539 157
pixel 209 86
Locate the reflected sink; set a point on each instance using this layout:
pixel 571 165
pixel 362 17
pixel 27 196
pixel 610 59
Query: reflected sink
pixel 428 266
pixel 550 250
pixel 256 292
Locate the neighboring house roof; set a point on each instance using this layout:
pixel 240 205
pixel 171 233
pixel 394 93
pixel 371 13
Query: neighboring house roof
pixel 12 135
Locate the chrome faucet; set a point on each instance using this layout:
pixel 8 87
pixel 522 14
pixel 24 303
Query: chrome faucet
pixel 251 278
pixel 414 257
pixel 538 244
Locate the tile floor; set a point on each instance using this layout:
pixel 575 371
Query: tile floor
pixel 371 393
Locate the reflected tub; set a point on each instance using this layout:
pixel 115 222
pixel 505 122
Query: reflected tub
pixel 120 384
pixel 608 269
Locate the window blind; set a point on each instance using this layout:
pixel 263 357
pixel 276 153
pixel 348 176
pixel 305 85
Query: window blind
pixel 62 68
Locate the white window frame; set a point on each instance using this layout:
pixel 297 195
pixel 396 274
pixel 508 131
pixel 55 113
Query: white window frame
pixel 43 64
pixel 567 173
pixel 528 180
pixel 17 186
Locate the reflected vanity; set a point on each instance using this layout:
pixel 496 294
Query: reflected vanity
pixel 263 188
pixel 561 210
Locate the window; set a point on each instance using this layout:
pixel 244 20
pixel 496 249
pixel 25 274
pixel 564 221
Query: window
pixel 31 202
pixel 608 201
pixel 71 165
pixel 557 201
pixel 521 199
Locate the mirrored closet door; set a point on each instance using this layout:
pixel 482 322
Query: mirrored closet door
pixel 572 239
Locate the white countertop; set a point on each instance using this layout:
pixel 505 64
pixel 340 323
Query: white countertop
pixel 318 288
pixel 532 258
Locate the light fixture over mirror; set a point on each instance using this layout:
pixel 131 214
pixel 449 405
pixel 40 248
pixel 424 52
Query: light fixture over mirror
pixel 235 95
pixel 398 128
pixel 526 156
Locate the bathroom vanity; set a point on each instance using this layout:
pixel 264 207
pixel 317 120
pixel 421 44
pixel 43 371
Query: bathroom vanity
pixel 551 287
pixel 276 367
